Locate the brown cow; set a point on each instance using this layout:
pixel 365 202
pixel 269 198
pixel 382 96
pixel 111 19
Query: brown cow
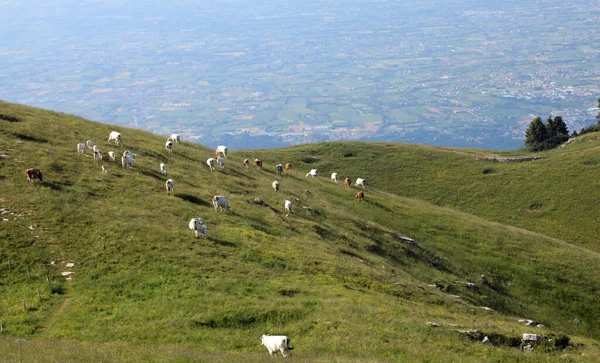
pixel 246 162
pixel 33 174
pixel 360 195
pixel 288 166
pixel 347 182
pixel 258 163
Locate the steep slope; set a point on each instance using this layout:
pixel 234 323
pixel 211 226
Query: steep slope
pixel 335 276
pixel 554 195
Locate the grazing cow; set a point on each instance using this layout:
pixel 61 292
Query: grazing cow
pixel 170 184
pixel 289 207
pixel 360 181
pixel 111 154
pixel 163 169
pixel 97 153
pixel 275 185
pixel 169 146
pixel 360 195
pixel 258 163
pixel 313 172
pixel 334 177
pixel 246 162
pixel 211 163
pixel 115 136
pixel 288 166
pixel 80 148
pixel 221 150
pixel 104 169
pixel 279 168
pixel 175 138
pixel 220 201
pixel 347 182
pixel 127 161
pixel 221 163
pixel 197 226
pixel 33 174
pixel 90 144
pixel 276 343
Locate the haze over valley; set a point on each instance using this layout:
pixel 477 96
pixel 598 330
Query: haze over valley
pixel 267 74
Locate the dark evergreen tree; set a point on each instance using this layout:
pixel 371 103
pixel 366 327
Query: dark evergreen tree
pixel 550 128
pixel 536 133
pixel 560 127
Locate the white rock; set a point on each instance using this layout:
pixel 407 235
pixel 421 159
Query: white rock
pixel 69 273
pixel 31 228
pixel 486 308
pixel 70 264
pixel 528 348
pixel 432 323
pixel 532 338
pixel 486 340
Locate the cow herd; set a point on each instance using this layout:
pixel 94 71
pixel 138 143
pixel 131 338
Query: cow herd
pixel 196 225
pixel 219 201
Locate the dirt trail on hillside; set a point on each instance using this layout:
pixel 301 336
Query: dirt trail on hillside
pixel 56 314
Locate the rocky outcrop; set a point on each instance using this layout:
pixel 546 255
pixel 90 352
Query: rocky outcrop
pixel 514 160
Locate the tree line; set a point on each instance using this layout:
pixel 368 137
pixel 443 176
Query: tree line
pixel 543 136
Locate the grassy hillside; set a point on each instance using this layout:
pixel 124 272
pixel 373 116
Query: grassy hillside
pixel 334 276
pixel 555 195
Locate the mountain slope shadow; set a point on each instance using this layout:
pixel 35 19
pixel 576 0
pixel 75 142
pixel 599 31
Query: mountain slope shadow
pixel 193 199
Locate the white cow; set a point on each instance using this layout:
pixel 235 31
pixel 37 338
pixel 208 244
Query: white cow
pixel 220 201
pixel 169 146
pixel 175 138
pixel 313 172
pixel 289 207
pixel 279 168
pixel 334 177
pixel 275 185
pixel 163 169
pixel 127 161
pixel 115 136
pixel 221 163
pixel 104 169
pixel 170 184
pixel 360 181
pixel 221 150
pixel 111 154
pixel 90 144
pixel 95 148
pixel 276 343
pixel 97 153
pixel 80 148
pixel 197 226
pixel 211 163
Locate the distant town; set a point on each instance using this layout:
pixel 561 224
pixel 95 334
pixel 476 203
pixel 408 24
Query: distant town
pixel 467 75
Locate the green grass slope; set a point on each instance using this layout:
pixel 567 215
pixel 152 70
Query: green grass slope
pixel 334 276
pixel 555 195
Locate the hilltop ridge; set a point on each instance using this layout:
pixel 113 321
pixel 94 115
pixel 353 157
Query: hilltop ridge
pixel 335 276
